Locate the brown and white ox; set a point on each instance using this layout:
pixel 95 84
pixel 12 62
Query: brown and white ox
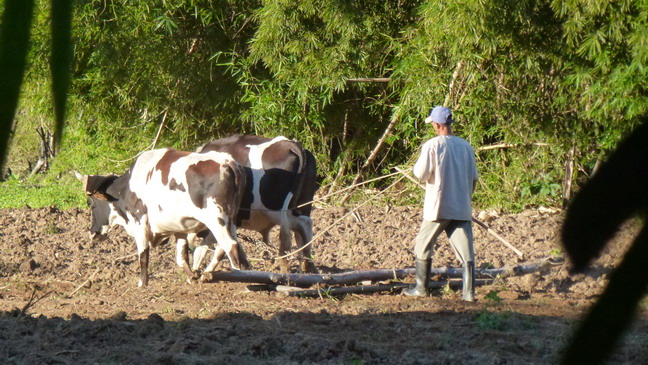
pixel 281 180
pixel 171 193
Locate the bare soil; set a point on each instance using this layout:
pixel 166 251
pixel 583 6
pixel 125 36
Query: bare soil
pixel 66 299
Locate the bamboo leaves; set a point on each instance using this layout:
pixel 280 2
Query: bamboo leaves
pixel 563 73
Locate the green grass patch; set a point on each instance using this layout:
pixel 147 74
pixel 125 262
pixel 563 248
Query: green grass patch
pixel 42 191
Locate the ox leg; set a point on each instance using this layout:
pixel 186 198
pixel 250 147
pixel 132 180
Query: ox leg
pixel 243 260
pixel 228 243
pixel 285 240
pixel 199 256
pixel 265 236
pixel 182 254
pixel 201 251
pixel 143 248
pixel 303 237
pixel 219 253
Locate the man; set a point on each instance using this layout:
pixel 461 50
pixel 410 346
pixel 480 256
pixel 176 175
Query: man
pixel 447 165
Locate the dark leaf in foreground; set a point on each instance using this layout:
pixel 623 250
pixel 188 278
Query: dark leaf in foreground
pixel 61 61
pixel 14 45
pixel 617 192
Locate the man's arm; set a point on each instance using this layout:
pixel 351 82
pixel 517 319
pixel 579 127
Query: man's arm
pixel 423 168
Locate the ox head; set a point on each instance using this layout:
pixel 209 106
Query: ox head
pixel 96 188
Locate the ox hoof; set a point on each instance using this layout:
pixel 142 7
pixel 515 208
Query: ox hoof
pixel 284 266
pixel 309 268
pixel 192 280
pixel 206 277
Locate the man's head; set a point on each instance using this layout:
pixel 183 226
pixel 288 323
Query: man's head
pixel 441 119
pixel 440 114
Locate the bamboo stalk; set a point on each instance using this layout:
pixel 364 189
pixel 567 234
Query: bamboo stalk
pixel 511 145
pixel 569 175
pixel 84 283
pixel 370 79
pixel 502 239
pixel 157 136
pixel 451 87
pixel 374 153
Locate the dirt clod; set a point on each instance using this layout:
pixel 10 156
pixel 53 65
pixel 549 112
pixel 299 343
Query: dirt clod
pixel 28 266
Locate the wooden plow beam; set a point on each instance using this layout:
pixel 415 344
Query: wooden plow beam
pixel 347 282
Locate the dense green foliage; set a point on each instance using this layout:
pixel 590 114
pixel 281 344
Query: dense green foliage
pixel 533 84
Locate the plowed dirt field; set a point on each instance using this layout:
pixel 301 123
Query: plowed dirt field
pixel 65 299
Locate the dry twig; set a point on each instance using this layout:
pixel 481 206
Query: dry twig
pixel 32 302
pixel 84 283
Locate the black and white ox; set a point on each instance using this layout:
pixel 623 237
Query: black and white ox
pixel 171 193
pixel 281 180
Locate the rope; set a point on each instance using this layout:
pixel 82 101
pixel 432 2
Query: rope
pixel 320 199
pixel 344 216
pixel 340 219
pixel 351 187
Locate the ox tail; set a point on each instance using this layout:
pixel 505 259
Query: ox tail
pixel 303 190
pixel 235 181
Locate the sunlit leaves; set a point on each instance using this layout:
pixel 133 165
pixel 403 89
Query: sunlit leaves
pixel 166 23
pixel 607 43
pixel 568 73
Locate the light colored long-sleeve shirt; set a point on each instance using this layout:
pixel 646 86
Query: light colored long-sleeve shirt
pixel 447 166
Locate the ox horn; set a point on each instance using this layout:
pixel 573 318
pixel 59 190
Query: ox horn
pixel 83 179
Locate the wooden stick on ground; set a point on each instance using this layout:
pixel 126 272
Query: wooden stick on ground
pixel 494 234
pixel 84 283
pixel 366 289
pixel 479 223
pixel 354 277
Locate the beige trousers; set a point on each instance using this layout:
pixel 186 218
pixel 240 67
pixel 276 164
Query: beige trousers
pixel 459 233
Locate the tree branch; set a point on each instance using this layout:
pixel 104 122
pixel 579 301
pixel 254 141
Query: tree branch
pixel 374 153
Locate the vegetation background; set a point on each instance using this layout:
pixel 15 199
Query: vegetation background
pixel 542 89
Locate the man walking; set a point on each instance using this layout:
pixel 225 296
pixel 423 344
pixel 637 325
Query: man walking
pixel 447 166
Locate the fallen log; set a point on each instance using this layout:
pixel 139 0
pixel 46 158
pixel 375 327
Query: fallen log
pixel 355 277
